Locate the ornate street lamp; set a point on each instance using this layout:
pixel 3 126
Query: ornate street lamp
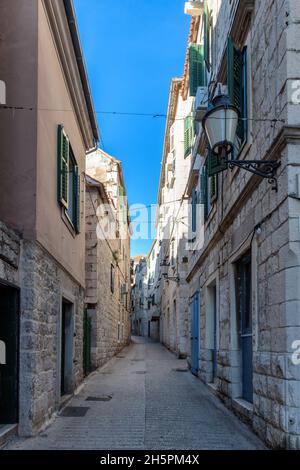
pixel 220 125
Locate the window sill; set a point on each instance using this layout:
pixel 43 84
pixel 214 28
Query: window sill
pixel 243 407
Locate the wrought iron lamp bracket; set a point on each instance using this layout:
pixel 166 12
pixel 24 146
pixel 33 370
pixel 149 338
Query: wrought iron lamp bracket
pixel 263 168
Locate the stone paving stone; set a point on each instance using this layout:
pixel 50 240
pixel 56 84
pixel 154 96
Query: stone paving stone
pixel 161 409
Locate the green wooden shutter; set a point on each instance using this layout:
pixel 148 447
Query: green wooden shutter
pixel 194 210
pixel 214 187
pixel 215 164
pixel 196 68
pixel 63 156
pixel 204 194
pixel 207 22
pixel 76 195
pixel 237 84
pixel 188 135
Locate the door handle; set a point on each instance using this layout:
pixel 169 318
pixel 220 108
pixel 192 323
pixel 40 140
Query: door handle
pixel 250 335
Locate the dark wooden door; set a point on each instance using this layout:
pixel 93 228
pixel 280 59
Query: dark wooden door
pixel 195 334
pixel 9 337
pixel 246 334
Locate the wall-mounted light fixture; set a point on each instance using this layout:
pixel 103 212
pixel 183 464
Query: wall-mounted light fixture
pixel 220 125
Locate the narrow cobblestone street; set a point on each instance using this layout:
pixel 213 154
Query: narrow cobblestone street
pixel 155 404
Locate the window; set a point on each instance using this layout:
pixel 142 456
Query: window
pixel 237 88
pixel 123 208
pixel 209 190
pixel 196 68
pixel 214 163
pixel 68 183
pixel 112 278
pixel 194 210
pixel 208 31
pixel 119 332
pixel 188 135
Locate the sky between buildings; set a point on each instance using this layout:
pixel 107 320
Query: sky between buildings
pixel 132 50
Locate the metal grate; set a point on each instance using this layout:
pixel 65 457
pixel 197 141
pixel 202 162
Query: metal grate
pixel 74 412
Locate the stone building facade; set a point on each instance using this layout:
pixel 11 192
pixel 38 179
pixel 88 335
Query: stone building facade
pixel 244 268
pixel 172 222
pixel 108 296
pixel 52 125
pixel 139 319
pixel 153 272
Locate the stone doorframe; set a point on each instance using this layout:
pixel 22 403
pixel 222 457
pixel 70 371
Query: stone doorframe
pixel 236 360
pixel 68 297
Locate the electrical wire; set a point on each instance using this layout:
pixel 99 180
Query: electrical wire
pixel 134 114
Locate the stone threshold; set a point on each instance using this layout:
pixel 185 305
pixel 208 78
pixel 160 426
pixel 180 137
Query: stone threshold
pixel 243 408
pixel 213 388
pixel 7 432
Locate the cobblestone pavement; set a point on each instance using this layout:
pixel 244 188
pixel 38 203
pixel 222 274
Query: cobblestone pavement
pixel 153 406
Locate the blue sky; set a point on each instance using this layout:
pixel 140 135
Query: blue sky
pixel 132 49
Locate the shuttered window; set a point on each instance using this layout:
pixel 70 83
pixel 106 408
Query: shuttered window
pixel 194 210
pixel 76 195
pixel 207 25
pixel 68 180
pixel 213 187
pixel 215 164
pixel 63 156
pixel 188 135
pixel 237 87
pixel 196 68
pixel 209 190
pixel 204 195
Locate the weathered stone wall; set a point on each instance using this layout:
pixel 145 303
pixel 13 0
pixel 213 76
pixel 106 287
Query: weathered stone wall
pixel 9 254
pixel 245 202
pixel 109 313
pixel 44 285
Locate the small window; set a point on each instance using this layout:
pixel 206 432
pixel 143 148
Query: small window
pixel 196 68
pixel 112 278
pixel 237 89
pixel 209 190
pixel 188 135
pixel 194 210
pixel 208 35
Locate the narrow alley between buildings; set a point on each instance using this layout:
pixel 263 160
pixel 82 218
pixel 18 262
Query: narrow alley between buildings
pixel 144 398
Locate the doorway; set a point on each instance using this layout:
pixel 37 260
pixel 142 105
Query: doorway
pixel 244 312
pixel 67 335
pixel 195 334
pixel 9 357
pixel 212 328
